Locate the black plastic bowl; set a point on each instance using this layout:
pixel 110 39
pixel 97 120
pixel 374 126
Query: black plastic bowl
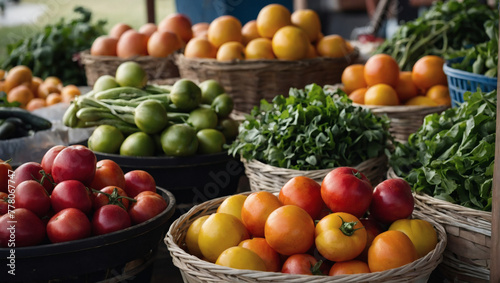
pixel 90 255
pixel 192 179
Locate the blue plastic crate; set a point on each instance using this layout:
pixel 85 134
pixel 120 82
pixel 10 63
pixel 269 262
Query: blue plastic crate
pixel 460 81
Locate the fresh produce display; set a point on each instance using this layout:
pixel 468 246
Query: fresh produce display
pixel 451 156
pixel 381 82
pixel 312 128
pixel 51 52
pixel 276 33
pixel 445 27
pixel 18 123
pixel 260 232
pixel 70 196
pixel 18 87
pixel 134 118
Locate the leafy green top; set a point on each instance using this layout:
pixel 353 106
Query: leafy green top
pixel 312 128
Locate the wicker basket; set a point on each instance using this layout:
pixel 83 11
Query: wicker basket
pixel 250 81
pixel 467 254
pixel 195 270
pixel 158 69
pixel 264 177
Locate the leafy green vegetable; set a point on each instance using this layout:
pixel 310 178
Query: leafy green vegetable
pixel 312 128
pixel 451 156
pixel 445 27
pixel 54 51
pixel 5 103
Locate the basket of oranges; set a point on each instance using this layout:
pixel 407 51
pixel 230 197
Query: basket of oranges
pixel 266 56
pixel 406 97
pixel 152 46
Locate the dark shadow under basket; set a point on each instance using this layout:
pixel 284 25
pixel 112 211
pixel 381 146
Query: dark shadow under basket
pixel 249 81
pixel 157 68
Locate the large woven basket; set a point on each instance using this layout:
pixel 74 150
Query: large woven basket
pixel 158 69
pixel 195 270
pixel 250 81
pixel 264 177
pixel 467 254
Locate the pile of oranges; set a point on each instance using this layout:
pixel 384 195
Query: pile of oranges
pixel 275 34
pixel 380 82
pixel 33 92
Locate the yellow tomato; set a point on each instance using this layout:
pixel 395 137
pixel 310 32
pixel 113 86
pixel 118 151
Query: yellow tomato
pixel 232 205
pixel 421 233
pixel 219 232
pixel 192 236
pixel 241 258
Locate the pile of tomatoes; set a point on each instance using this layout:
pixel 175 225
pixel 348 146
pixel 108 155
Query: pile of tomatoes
pixel 71 196
pixel 341 226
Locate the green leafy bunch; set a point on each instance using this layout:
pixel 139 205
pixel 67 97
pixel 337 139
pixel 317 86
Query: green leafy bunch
pixel 313 128
pixel 451 156
pixel 54 50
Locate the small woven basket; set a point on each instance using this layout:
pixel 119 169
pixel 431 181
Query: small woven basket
pixel 264 177
pixel 467 254
pixel 194 270
pixel 250 81
pixel 158 69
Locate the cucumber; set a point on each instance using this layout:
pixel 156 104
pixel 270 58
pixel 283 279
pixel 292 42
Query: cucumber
pixel 37 123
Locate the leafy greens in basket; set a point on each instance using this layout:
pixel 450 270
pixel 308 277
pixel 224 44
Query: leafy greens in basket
pixel 451 156
pixel 313 128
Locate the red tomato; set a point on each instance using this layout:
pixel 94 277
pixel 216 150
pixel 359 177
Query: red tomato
pixel 5 167
pixel 32 195
pixel 4 203
pixel 21 228
pixel 67 225
pixel 101 199
pixel 49 156
pixel 349 267
pixel 303 192
pixel 71 193
pixel 109 218
pixel 301 264
pixel 147 206
pixel 137 181
pixel 75 162
pixel 392 200
pixel 32 171
pixel 108 173
pixel 345 189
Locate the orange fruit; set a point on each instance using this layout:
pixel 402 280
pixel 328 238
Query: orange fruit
pixel 118 29
pixel 261 247
pixel 53 80
pixel 358 96
pixel 200 29
pixel 224 29
pixel 290 43
pixel 163 43
pixel 440 94
pixel 390 249
pixel 21 94
pixel 35 84
pixel 179 24
pixel 249 32
pixel 406 88
pixel 349 267
pixel 148 28
pixel 36 103
pixel 2 83
pixel 231 51
pixel 309 21
pixel 47 88
pixel 271 18
pixel 18 75
pixel 333 46
pixel 2 74
pixel 381 69
pixel 104 46
pixel 311 52
pixel 199 47
pixel 132 43
pixel 53 98
pixel 259 48
pixel 428 72
pixel 381 94
pixel 353 77
pixel 421 101
pixel 69 92
pixel 256 209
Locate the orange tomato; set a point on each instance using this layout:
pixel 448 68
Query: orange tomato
pixel 333 46
pixel 46 88
pixel 35 84
pixel 311 52
pixel 309 21
pixel 179 24
pixel 256 209
pixel 349 267
pixel 428 72
pixel 69 92
pixel 200 29
pixel 390 249
pixel 241 258
pixel 406 88
pixel 353 78
pixel 261 247
pixel 148 28
pixel 200 47
pixel 271 18
pixel 440 94
pixel 118 29
pixel 18 75
pixel 229 51
pixel 289 230
pixel 132 43
pixel 340 236
pixel 249 32
pixel 381 69
pixel 358 96
pixel 301 264
pixel 163 43
pixel 421 233
pixel 224 29
pixel 290 43
pixel 21 94
pixel 381 94
pixel 53 98
pixel 303 192
pixel 104 46
pixel 36 103
pixel 259 48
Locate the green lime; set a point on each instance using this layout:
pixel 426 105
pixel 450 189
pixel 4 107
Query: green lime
pixel 105 82
pixel 150 116
pixel 229 127
pixel 223 105
pixel 210 141
pixel 202 118
pixel 130 73
pixel 138 144
pixel 185 95
pixel 105 138
pixel 209 90
pixel 179 140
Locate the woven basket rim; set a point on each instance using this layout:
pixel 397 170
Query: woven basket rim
pixel 86 57
pixel 404 108
pixel 205 269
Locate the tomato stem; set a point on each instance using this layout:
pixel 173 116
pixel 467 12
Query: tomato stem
pixel 114 197
pixel 357 175
pixel 348 227
pixel 42 180
pixel 315 269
